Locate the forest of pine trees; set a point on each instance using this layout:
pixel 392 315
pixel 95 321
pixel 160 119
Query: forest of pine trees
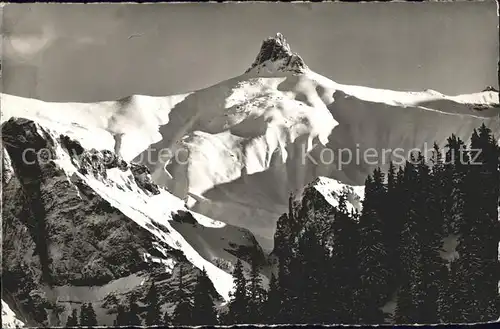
pixel 345 270
pixel 341 267
pixel 193 309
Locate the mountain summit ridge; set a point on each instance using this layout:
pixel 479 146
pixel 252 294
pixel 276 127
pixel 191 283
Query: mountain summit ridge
pixel 275 54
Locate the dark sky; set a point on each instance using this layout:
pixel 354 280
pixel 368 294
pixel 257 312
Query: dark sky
pixel 62 52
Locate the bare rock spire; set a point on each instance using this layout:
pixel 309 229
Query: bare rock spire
pixel 275 54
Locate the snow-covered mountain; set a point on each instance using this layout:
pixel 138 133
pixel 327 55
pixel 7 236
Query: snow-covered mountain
pixel 228 155
pixel 84 225
pixel 234 151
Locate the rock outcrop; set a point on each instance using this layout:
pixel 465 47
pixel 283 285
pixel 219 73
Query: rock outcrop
pixel 275 53
pixel 66 243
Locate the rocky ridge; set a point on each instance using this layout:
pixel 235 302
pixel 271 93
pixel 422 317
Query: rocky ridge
pixel 276 52
pixel 66 243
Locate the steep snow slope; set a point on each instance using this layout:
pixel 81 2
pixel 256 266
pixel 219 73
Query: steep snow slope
pixel 9 319
pixel 331 189
pixel 132 121
pixel 244 141
pixel 234 151
pixel 84 224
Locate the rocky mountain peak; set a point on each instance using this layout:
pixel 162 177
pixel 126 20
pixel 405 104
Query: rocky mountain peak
pixel 275 53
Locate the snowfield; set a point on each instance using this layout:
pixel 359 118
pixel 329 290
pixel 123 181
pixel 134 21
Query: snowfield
pixel 232 153
pixel 9 319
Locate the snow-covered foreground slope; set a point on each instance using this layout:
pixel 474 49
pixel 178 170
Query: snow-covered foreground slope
pixel 79 225
pixel 236 150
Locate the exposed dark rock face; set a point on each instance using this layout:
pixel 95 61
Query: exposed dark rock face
pixel 311 209
pixel 275 49
pixel 490 88
pixel 60 235
pixel 30 148
pixel 73 147
pixel 142 177
pixel 98 162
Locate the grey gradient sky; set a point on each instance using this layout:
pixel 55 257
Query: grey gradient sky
pixel 62 52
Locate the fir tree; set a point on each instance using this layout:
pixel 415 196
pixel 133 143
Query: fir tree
pixel 87 316
pixel 133 318
pixel 312 259
pixel 455 171
pixel 203 304
pixel 92 318
pixel 272 304
pixel 429 238
pixel 153 314
pixel 373 253
pixel 83 315
pixel 238 308
pixel 256 293
pixel 283 249
pixel 121 316
pixel 183 312
pixel 393 223
pixel 405 308
pixel 478 268
pixel 342 270
pixel 448 297
pixel 72 319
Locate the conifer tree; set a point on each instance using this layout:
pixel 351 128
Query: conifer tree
pixel 283 250
pixel 272 304
pixel 373 254
pixel 448 301
pixel 183 312
pixel 83 315
pixel 121 316
pixel 478 268
pixel 311 295
pixel 203 304
pixel 153 314
pixel 72 319
pixel 342 268
pixel 455 167
pixel 409 249
pixel 405 309
pixel 429 238
pixel 396 245
pixel 392 218
pixel 133 311
pixel 256 293
pixel 87 316
pixel 238 308
pixel 440 187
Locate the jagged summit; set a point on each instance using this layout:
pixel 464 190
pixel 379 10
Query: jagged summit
pixel 490 88
pixel 275 54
